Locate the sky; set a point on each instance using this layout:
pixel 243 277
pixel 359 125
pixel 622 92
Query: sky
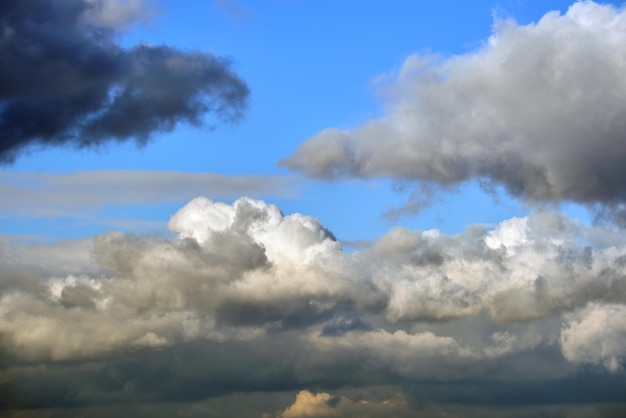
pixel 297 208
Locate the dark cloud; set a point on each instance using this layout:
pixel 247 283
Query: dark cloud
pixel 538 110
pixel 65 80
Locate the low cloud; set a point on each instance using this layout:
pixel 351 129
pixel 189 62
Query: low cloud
pixel 596 334
pixel 538 110
pixel 67 82
pixel 245 298
pixel 315 405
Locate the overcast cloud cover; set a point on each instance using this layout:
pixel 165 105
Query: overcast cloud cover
pixel 245 311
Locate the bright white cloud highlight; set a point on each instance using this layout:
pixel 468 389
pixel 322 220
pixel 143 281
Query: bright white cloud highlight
pixel 244 272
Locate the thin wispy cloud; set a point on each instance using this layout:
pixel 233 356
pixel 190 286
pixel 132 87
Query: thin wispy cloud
pixel 233 8
pixel 95 189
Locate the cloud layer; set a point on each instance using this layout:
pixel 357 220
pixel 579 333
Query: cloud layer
pixel 538 110
pixel 66 80
pixel 248 299
pixel 80 192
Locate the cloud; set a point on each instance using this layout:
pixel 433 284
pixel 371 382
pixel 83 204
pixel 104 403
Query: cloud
pixel 260 268
pixel 49 259
pixel 119 14
pixel 245 298
pixel 308 404
pixel 67 81
pixel 596 334
pixel 76 193
pixel 233 8
pixel 537 110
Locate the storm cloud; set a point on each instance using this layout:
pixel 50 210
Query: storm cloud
pixel 246 299
pixel 67 81
pixel 538 110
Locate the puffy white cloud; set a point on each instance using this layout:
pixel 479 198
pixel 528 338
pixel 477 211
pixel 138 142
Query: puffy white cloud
pixel 296 237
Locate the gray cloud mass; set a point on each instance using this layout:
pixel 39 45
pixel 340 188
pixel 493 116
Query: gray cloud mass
pixel 538 109
pixel 246 299
pixel 65 80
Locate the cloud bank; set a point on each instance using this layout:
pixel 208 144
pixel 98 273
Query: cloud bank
pixel 246 299
pixel 538 110
pixel 66 80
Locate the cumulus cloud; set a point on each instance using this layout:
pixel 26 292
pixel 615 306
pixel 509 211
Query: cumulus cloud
pixel 246 298
pixel 259 267
pixel 538 109
pixel 596 334
pixel 309 404
pixel 68 82
pixel 314 405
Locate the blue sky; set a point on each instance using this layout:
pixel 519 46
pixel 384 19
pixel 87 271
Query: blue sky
pixel 310 66
pixel 338 208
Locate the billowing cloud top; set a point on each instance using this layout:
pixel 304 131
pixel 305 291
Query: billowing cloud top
pixel 246 298
pixel 65 80
pixel 539 109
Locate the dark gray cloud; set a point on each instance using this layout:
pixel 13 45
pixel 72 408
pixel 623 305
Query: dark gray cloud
pixel 65 80
pixel 245 299
pixel 538 110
